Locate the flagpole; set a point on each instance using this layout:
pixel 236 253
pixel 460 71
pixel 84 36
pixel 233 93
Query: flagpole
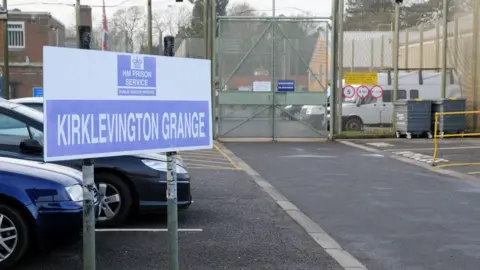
pixel 105 29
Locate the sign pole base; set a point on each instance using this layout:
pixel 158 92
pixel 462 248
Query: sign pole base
pixel 88 215
pixel 172 211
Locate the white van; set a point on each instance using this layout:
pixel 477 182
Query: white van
pixel 360 112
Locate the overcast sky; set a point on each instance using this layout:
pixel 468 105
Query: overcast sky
pixel 63 10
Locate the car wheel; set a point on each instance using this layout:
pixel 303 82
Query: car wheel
pixel 115 200
pixel 14 236
pixel 353 124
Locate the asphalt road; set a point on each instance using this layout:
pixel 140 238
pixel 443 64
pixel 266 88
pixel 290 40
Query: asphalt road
pixel 457 154
pixel 241 229
pixel 386 213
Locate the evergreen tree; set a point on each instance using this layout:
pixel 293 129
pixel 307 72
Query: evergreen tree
pixel 372 15
pixel 368 15
pixel 195 28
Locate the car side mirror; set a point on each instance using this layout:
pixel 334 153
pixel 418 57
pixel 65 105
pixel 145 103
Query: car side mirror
pixel 30 146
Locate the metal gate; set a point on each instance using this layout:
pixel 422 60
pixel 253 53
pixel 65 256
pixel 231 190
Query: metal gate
pixel 273 75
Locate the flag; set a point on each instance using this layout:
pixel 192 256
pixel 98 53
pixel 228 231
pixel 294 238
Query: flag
pixel 105 30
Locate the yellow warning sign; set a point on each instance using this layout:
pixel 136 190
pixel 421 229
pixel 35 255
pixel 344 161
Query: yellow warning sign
pixel 361 78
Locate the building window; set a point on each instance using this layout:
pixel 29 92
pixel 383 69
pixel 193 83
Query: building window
pixel 16 34
pixel 414 94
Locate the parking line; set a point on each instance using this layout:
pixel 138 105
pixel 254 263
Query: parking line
pixel 472 173
pixel 227 157
pixel 194 153
pixel 217 157
pixel 144 230
pixel 206 166
pixel 440 148
pixel 458 164
pixel 188 160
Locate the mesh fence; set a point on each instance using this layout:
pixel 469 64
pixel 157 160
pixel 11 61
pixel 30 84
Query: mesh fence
pixel 369 46
pixel 421 46
pixel 253 56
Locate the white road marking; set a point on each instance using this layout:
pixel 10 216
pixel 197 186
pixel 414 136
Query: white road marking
pixel 308 156
pixel 425 166
pixel 373 155
pixel 345 259
pixel 440 148
pixel 145 230
pixel 380 144
pixel 420 157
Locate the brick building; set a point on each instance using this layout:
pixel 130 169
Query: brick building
pixel 28 32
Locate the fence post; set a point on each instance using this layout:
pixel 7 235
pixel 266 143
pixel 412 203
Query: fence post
pixel 382 53
pixel 437 44
pixel 476 5
pixel 372 51
pixel 213 68
pixel 339 111
pixel 334 51
pixel 455 42
pixel 353 56
pixel 405 46
pixel 444 50
pixel 420 57
pixel 396 53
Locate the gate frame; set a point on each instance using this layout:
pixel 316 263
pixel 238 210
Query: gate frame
pixel 273 22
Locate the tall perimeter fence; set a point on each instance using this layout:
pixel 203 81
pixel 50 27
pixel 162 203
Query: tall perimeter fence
pixel 367 44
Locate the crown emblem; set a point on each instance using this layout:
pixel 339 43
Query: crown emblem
pixel 137 63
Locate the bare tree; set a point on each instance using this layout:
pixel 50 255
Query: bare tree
pixel 70 31
pixel 168 21
pixel 129 22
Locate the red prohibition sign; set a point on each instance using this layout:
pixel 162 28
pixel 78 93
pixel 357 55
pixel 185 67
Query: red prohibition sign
pixel 363 91
pixel 348 91
pixel 376 91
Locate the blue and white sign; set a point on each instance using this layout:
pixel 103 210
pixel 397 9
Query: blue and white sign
pixel 136 75
pixel 129 104
pixel 286 86
pixel 38 92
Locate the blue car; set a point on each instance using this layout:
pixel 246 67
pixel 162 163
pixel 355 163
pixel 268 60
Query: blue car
pixel 40 203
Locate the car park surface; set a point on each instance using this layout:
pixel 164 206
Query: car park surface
pixel 456 154
pixel 386 213
pixel 232 224
pixel 128 184
pixel 41 205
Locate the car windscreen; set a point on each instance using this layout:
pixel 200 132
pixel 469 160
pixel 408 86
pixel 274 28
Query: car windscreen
pixel 29 112
pixel 36 106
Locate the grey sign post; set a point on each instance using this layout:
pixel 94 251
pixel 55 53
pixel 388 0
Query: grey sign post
pixel 89 262
pixel 172 208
